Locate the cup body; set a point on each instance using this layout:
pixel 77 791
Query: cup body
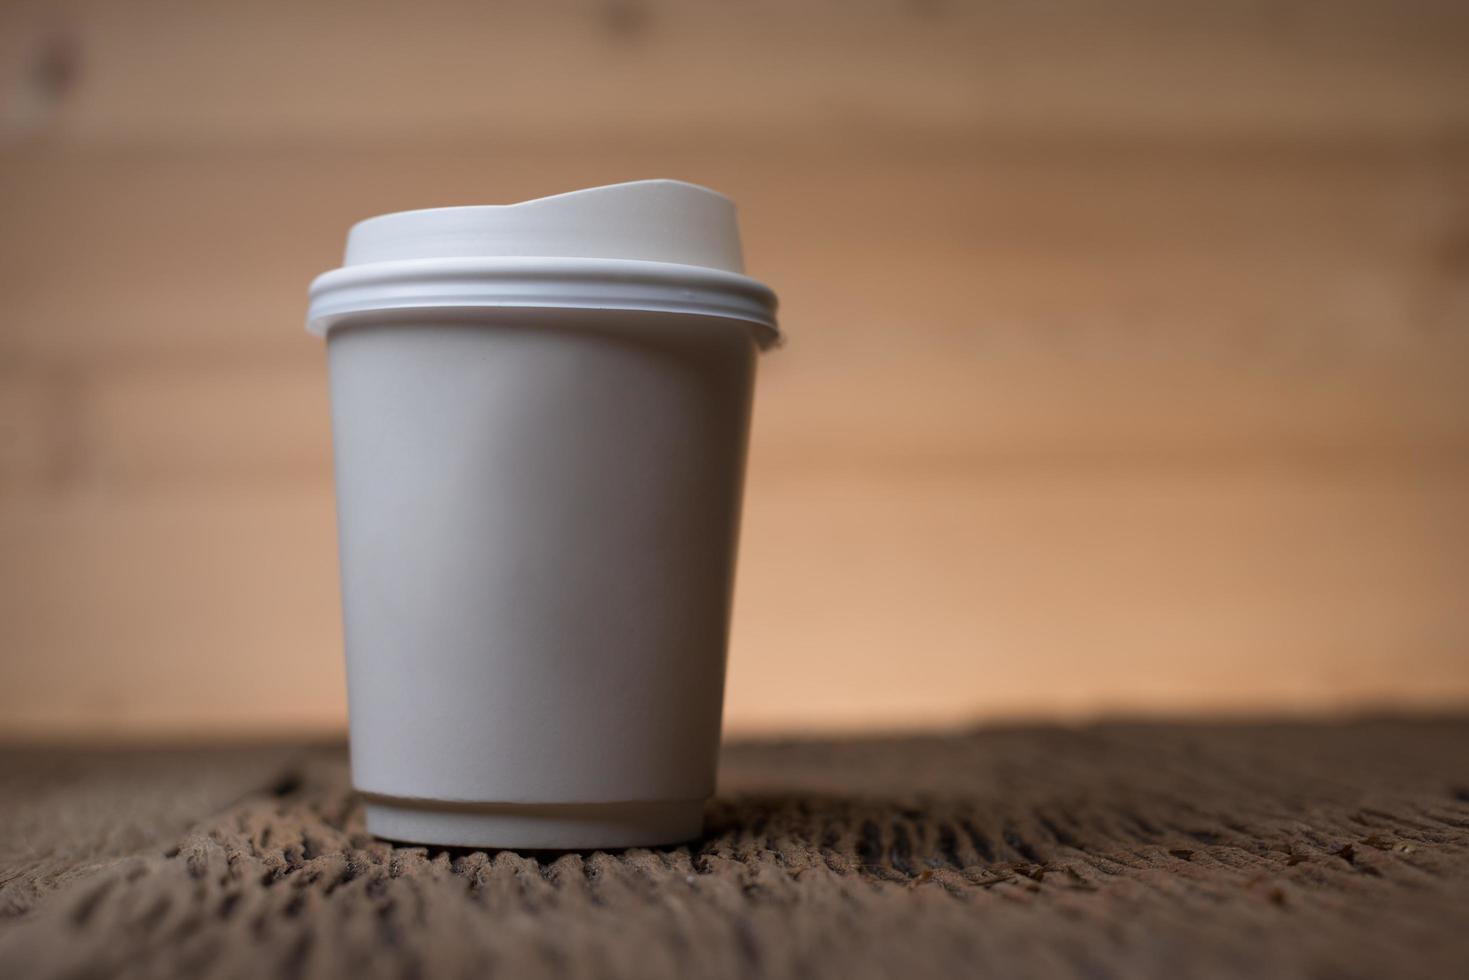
pixel 538 514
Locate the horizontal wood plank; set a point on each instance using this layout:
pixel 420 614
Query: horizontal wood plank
pixel 998 594
pixel 276 70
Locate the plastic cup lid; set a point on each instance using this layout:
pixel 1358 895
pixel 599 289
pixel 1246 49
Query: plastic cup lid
pixel 650 245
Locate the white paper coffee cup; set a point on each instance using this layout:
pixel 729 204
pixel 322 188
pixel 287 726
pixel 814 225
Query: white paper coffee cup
pixel 540 414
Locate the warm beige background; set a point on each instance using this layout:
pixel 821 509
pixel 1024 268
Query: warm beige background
pixel 1129 361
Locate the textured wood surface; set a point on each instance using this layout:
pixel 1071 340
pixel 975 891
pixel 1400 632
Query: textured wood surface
pixel 1120 850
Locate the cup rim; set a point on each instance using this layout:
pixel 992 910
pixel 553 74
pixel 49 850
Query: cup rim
pixel 548 283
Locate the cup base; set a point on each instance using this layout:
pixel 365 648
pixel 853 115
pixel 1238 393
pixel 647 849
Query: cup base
pixel 534 826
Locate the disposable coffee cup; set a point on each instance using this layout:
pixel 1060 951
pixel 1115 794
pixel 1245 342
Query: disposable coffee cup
pixel 540 413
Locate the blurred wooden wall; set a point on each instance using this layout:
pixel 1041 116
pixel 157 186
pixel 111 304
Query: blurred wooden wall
pixel 1127 361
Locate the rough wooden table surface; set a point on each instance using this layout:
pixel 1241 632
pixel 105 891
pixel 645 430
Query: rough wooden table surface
pixel 1315 850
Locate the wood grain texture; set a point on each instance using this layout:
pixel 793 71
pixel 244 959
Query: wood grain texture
pixel 1048 415
pixel 277 70
pixel 1164 850
pixel 1117 330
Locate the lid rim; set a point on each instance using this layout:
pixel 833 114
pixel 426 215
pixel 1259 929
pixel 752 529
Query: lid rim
pixel 551 282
